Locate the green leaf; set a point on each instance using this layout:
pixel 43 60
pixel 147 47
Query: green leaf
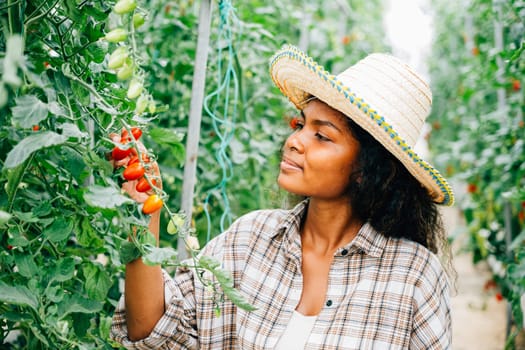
pixel 55 293
pixel 87 236
pixel 224 277
pixel 81 324
pixel 209 263
pixel 179 153
pixel 128 252
pixel 72 130
pixel 517 271
pixel 38 334
pixel 4 95
pixel 26 265
pixel 31 144
pixel 18 295
pixel 105 197
pixel 165 136
pixel 56 109
pixel 60 229
pixel 17 316
pixel 97 282
pixel 16 238
pixel 43 209
pixel 97 50
pixel 104 327
pixel 14 177
pixel 63 271
pixel 4 218
pixel 78 303
pixel 516 242
pixel 147 238
pixel 238 299
pixel 81 94
pixel 28 111
pixel 160 256
pixel 14 58
pixel 26 217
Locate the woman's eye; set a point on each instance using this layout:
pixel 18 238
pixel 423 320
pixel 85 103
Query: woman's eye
pixel 321 137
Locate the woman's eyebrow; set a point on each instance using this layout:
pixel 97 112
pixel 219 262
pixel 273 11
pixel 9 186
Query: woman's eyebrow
pixel 322 122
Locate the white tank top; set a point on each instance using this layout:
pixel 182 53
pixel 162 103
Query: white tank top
pixel 297 332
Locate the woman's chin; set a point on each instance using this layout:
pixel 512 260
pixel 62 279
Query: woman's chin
pixel 289 186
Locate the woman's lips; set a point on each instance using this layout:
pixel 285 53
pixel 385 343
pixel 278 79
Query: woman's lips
pixel 288 164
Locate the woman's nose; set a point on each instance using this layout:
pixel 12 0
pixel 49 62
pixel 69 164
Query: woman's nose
pixel 294 142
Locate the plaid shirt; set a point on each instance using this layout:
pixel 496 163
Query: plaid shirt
pixel 383 293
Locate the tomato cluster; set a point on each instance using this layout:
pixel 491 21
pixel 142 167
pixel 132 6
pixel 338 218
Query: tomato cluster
pixel 135 169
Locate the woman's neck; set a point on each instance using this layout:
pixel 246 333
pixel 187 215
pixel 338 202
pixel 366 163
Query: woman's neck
pixel 329 225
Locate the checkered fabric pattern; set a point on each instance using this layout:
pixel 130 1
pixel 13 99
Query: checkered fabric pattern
pixel 383 293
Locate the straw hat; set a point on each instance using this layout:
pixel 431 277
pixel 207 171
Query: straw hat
pixel 380 93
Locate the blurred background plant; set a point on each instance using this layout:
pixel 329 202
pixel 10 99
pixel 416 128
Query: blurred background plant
pixel 478 130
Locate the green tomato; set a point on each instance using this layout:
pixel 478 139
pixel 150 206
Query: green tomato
pixel 116 35
pixel 135 89
pixel 176 224
pixel 124 6
pixel 138 20
pixel 126 71
pixel 118 57
pixel 141 105
pixel 152 107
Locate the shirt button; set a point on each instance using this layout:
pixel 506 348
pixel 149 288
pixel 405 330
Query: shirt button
pixel 329 303
pixel 344 252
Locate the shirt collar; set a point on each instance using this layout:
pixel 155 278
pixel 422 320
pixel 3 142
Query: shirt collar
pixel 368 241
pixel 292 220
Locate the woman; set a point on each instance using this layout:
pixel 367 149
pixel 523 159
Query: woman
pixel 350 267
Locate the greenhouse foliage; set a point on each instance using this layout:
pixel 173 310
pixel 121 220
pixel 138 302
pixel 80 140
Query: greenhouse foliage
pixel 62 217
pixel 75 71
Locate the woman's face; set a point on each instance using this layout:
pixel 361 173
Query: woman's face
pixel 319 156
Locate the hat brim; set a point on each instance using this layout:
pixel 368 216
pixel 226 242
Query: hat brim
pixel 299 76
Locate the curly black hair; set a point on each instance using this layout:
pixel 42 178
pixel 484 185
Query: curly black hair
pixel 399 206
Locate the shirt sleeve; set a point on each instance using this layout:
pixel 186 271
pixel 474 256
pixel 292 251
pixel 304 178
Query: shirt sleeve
pixel 432 326
pixel 176 329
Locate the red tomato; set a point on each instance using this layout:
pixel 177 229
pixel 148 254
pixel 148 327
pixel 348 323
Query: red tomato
pixel 152 204
pixel 135 131
pixel 133 172
pixel 143 185
pixel 516 85
pixel 118 154
pixel 135 159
